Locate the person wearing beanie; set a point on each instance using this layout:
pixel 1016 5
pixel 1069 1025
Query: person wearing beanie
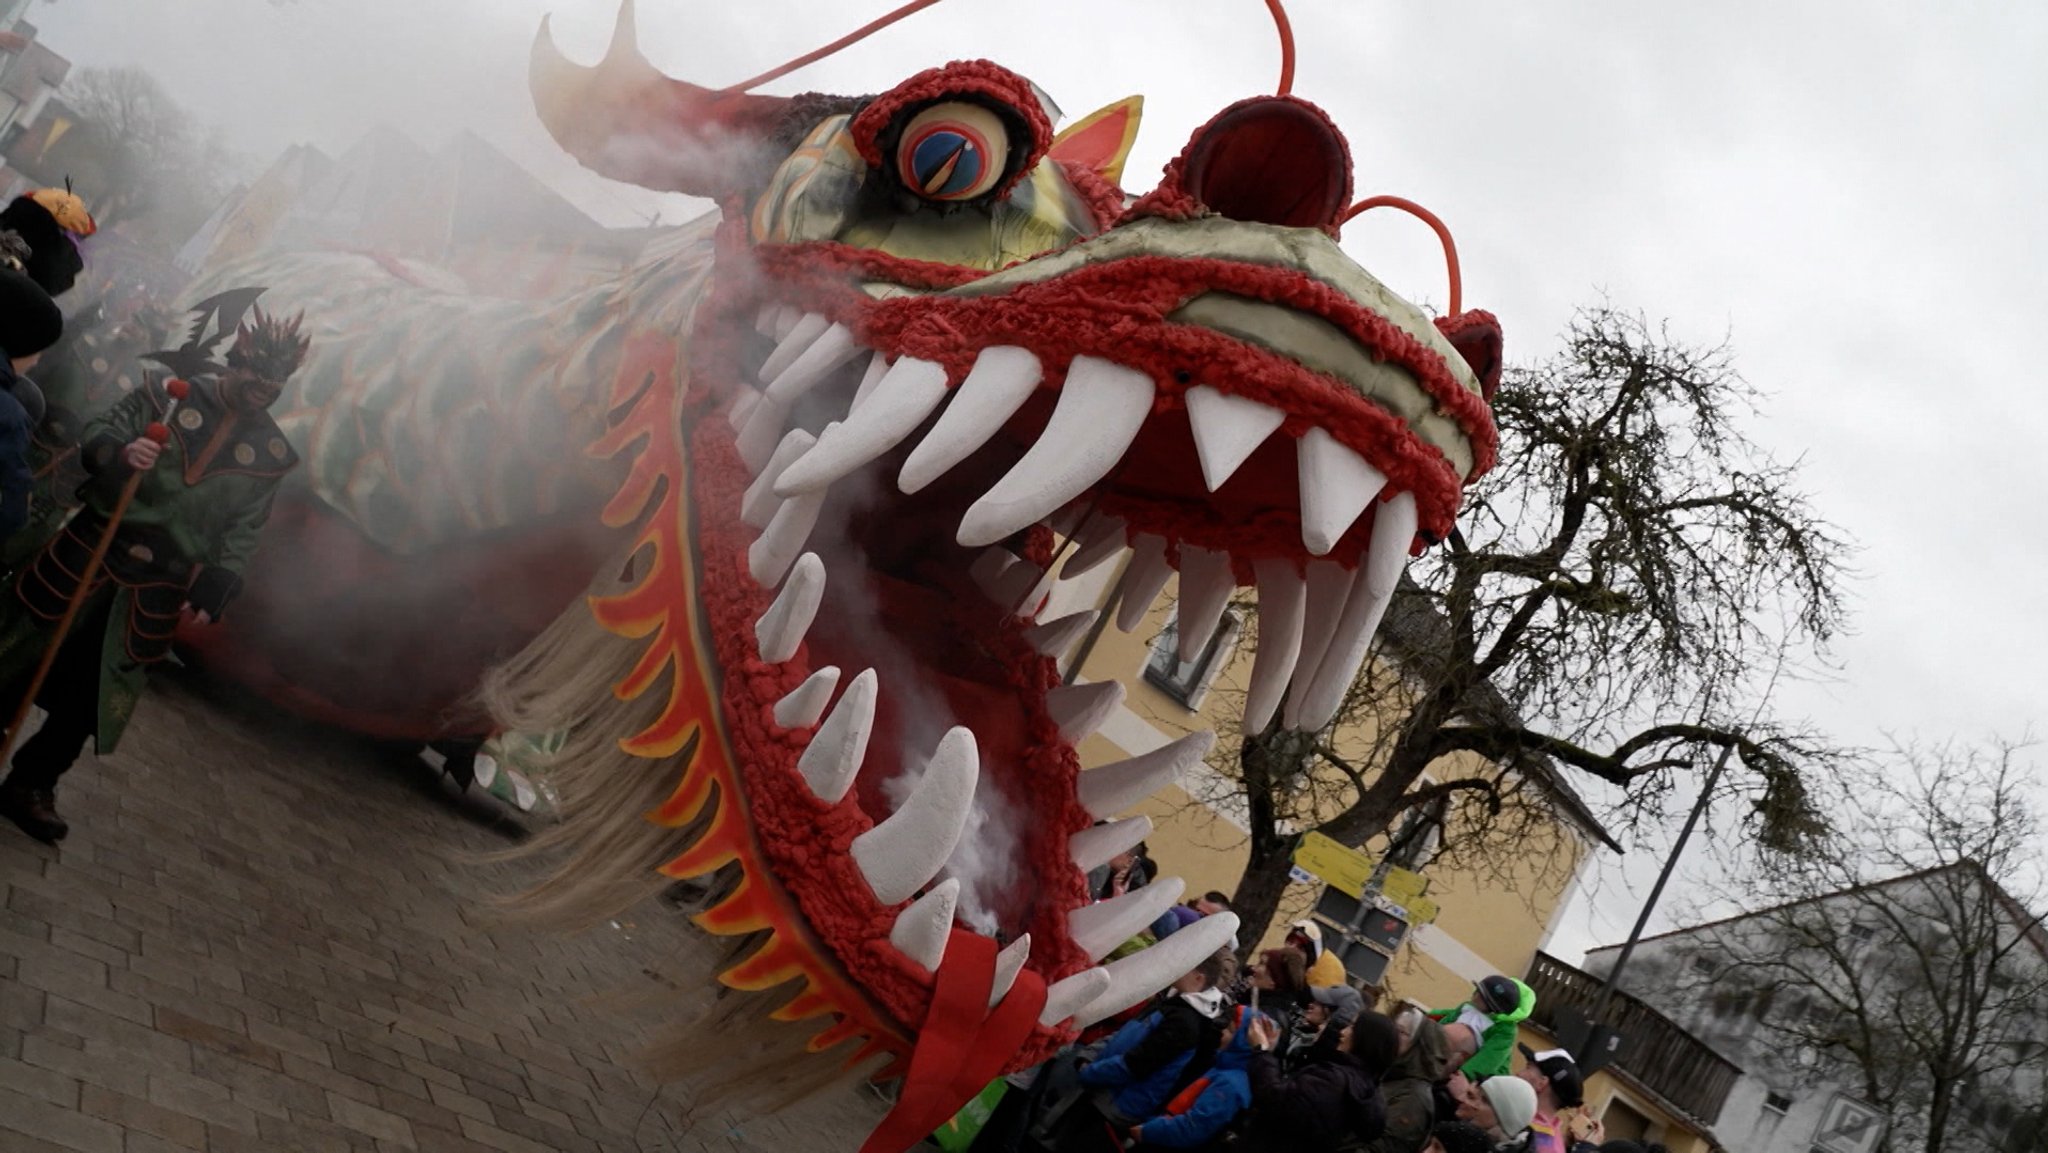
pixel 29 323
pixel 1324 968
pixel 206 468
pixel 1503 1106
pixel 1330 1103
pixel 1458 1137
pixel 51 222
pixel 1498 1006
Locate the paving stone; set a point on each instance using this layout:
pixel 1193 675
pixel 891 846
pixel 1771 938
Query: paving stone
pixel 264 936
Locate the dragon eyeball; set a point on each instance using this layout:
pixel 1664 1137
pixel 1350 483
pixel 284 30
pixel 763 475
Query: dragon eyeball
pixel 952 151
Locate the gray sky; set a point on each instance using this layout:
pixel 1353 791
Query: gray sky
pixel 1852 192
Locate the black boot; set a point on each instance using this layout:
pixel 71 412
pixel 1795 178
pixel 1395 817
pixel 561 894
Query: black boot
pixel 35 810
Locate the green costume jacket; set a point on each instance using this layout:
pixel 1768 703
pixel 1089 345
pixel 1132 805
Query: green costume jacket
pixel 1497 1045
pixel 186 537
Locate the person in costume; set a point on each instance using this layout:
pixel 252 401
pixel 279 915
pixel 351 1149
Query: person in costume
pixel 1498 1005
pixel 52 222
pixel 29 323
pixel 201 502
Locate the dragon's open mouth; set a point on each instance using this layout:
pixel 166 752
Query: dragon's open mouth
pixel 898 484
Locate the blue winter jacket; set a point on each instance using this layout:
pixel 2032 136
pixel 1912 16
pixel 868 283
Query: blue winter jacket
pixel 1143 1060
pixel 1219 1096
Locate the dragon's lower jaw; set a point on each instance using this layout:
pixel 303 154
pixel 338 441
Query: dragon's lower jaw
pixel 875 578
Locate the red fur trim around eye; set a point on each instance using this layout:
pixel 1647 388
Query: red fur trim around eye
pixel 981 78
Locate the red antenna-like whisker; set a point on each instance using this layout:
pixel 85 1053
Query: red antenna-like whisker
pixel 1286 31
pixel 851 38
pixel 1280 22
pixel 1457 303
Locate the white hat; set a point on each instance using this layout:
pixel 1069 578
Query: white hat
pixel 1513 1101
pixel 1314 933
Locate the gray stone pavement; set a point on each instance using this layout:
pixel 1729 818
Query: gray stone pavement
pixel 266 936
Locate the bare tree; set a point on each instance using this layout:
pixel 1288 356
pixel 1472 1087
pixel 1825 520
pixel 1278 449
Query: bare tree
pixel 154 161
pixel 1616 588
pixel 1902 953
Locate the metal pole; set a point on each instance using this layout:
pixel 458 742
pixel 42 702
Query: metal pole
pixel 1628 949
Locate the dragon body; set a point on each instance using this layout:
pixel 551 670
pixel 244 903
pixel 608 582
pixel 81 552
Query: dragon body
pixel 762 529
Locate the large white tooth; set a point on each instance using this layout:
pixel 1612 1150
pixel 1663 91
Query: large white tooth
pixel 900 403
pixel 782 541
pixel 1283 600
pixel 763 432
pixel 1101 539
pixel 1329 587
pixel 921 930
pixel 821 359
pixel 878 367
pixel 1206 582
pixel 758 506
pixel 806 702
pixel 1393 531
pixel 1100 410
pixel 1336 485
pixel 1002 379
pixel 1022 589
pixel 1094 846
pixel 1144 579
pixel 1055 637
pixel 1228 429
pixel 902 853
pixel 1109 789
pixel 1134 978
pixel 742 408
pixel 764 320
pixel 1009 963
pixel 786 319
pixel 781 629
pixel 1102 926
pixel 1080 709
pixel 1070 994
pixel 833 758
pixel 793 345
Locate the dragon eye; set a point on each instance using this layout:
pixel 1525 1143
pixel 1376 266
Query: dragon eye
pixel 951 152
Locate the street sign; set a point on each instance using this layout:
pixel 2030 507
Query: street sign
pixel 1403 887
pixel 1848 1126
pixel 1344 869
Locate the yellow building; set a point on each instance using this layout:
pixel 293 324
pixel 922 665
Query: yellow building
pixel 1494 917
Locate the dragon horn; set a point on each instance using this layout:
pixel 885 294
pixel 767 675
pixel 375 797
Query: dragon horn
pixel 625 120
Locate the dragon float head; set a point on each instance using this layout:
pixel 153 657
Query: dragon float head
pixel 939 348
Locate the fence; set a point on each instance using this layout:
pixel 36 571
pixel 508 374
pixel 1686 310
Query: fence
pixel 1664 1057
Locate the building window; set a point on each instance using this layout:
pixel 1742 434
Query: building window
pixel 1777 1103
pixel 1188 681
pixel 1419 836
pixel 1861 934
pixel 1703 965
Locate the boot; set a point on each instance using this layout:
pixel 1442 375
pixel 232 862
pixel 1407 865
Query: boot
pixel 35 811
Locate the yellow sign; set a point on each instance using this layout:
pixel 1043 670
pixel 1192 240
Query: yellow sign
pixel 1404 887
pixel 1422 911
pixel 1344 869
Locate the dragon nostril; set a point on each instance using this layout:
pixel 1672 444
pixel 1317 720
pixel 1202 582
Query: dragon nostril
pixel 1271 160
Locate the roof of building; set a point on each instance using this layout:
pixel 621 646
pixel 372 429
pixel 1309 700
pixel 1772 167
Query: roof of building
pixel 2036 935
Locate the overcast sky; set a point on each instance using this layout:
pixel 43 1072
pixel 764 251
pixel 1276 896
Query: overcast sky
pixel 1852 192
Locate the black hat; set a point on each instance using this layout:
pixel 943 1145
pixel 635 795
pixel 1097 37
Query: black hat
pixel 29 320
pixel 1498 994
pixel 1561 1071
pixel 53 260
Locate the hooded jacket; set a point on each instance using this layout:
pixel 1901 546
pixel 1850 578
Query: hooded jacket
pixel 1497 1041
pixel 1408 1091
pixel 1214 1100
pixel 1142 1061
pixel 16 423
